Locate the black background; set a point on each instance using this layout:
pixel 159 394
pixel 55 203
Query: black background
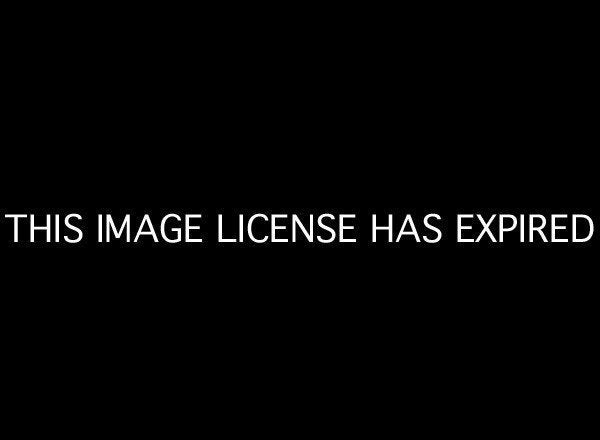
pixel 386 112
